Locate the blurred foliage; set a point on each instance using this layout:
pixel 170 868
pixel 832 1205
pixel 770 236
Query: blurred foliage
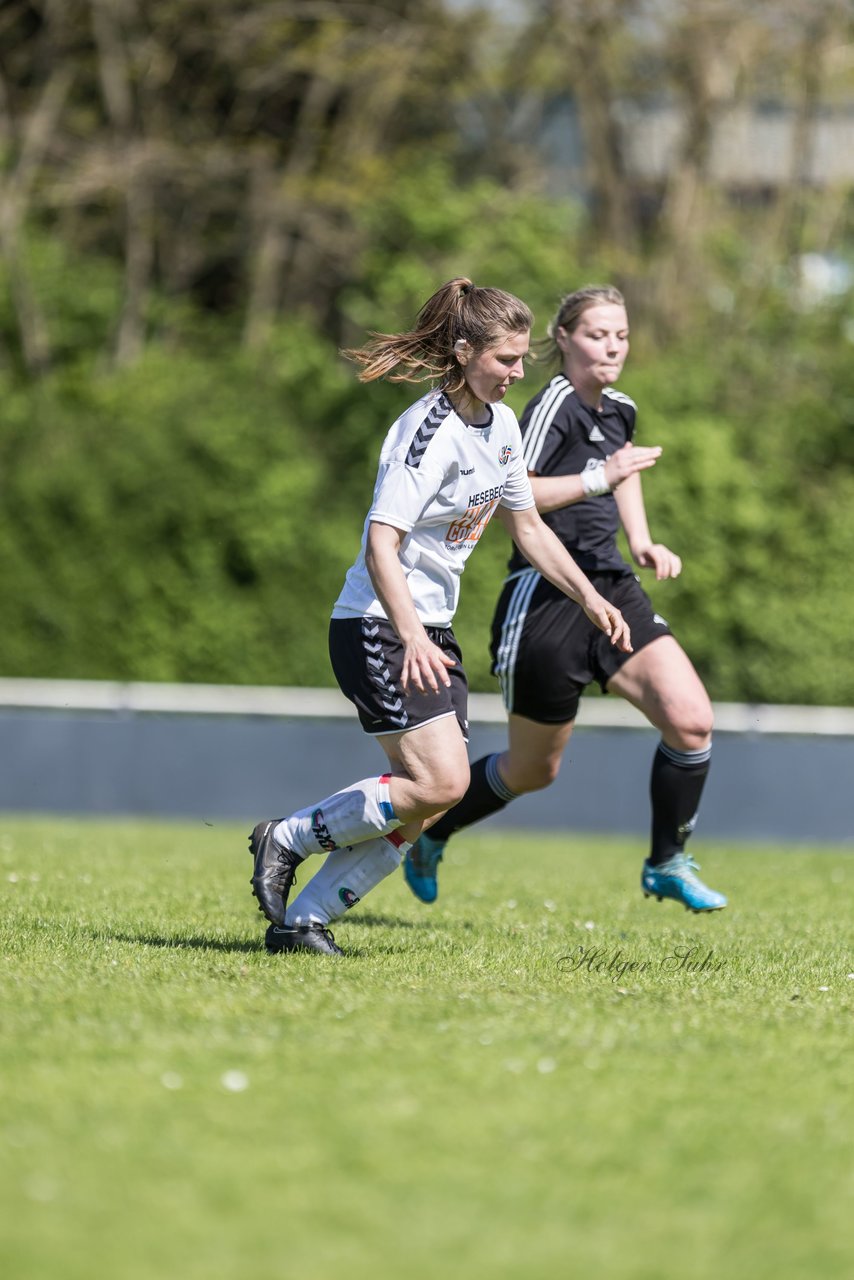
pixel 201 204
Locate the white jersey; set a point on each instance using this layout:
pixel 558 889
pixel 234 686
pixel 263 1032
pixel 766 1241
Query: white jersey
pixel 440 480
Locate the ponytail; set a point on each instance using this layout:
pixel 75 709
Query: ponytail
pixel 459 310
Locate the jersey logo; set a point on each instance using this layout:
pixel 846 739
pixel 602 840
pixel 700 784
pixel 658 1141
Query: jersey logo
pixel 595 433
pixel 504 455
pixel 470 526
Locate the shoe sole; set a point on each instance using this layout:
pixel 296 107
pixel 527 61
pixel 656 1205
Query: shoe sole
pixel 698 911
pixel 302 946
pixel 282 951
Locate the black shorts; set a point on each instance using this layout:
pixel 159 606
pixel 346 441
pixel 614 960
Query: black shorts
pixel 546 651
pixel 367 658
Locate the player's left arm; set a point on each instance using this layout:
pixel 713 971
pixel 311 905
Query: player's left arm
pixel 645 553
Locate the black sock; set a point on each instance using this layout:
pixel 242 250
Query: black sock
pixel 486 794
pixel 675 788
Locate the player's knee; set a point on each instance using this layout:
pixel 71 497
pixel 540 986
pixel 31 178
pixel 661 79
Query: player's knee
pixel 452 791
pixel 534 775
pixel 443 789
pixel 691 729
pixel 545 773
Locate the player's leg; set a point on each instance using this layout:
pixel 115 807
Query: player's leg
pixel 660 680
pixel 534 630
pixel 428 770
pixel 534 753
pixel 423 736
pixel 363 811
pixel 531 762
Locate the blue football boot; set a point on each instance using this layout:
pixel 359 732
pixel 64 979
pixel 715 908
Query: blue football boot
pixel 675 879
pixel 420 867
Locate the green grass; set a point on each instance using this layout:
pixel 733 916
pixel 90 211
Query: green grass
pixel 457 1097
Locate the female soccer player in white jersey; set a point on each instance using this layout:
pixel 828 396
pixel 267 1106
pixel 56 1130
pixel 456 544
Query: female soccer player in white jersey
pixel 586 478
pixel 449 463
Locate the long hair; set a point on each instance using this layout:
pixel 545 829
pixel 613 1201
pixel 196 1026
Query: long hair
pixel 571 309
pixel 458 310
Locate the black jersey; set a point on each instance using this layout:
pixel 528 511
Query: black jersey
pixel 563 436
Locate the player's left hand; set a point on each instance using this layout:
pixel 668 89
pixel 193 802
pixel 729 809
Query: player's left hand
pixel 660 558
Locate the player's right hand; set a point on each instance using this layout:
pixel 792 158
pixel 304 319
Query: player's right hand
pixel 628 460
pixel 607 618
pixel 425 665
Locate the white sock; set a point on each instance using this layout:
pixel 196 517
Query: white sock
pixel 347 817
pixel 344 879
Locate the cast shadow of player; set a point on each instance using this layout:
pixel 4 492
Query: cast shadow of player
pixel 192 943
pixel 223 946
pixel 427 924
pixel 369 921
pixel 227 945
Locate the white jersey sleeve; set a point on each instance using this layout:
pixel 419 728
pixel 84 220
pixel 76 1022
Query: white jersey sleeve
pixel 439 482
pixel 518 494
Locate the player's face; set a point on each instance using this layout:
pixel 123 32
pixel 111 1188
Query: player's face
pixel 491 373
pixel 595 351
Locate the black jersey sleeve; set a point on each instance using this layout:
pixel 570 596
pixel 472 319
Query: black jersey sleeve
pixel 564 436
pixel 546 426
pixel 625 412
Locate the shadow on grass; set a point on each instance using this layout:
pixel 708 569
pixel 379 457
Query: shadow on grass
pixel 188 944
pixel 380 922
pixel 223 945
pixel 428 924
pixel 232 945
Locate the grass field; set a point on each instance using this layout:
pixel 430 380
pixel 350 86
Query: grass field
pixel 542 1075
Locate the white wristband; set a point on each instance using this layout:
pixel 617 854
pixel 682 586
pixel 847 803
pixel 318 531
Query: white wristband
pixel 593 481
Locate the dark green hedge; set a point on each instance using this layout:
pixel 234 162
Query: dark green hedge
pixel 191 518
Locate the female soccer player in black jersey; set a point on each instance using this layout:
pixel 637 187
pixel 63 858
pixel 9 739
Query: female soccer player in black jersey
pixel 586 478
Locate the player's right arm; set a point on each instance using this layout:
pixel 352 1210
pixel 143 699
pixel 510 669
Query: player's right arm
pixel 553 492
pixel 424 663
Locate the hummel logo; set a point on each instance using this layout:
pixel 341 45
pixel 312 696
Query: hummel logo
pixel 426 431
pixel 321 832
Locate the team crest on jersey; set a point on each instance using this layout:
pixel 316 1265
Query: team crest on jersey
pixel 504 455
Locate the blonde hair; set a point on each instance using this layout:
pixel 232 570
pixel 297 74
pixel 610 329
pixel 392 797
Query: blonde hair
pixel 459 310
pixel 571 309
